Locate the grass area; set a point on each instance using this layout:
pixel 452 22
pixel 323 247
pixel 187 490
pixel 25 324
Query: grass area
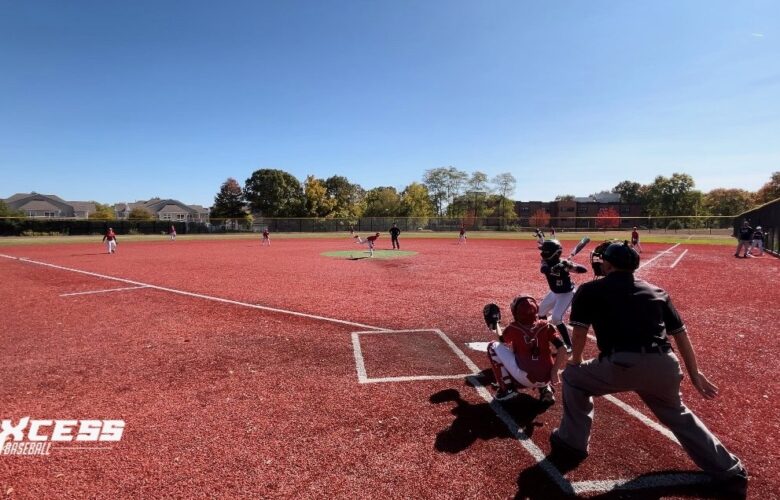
pixel 363 254
pixel 721 238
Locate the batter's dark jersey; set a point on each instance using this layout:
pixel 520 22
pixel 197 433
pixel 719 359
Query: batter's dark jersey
pixel 626 313
pixel 559 280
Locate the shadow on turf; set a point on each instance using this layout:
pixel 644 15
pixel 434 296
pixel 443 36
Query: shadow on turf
pixel 479 421
pixel 534 483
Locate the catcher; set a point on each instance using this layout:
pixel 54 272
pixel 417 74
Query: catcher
pixel 523 355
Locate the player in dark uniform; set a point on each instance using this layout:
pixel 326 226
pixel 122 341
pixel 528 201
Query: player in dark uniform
pixel 745 236
pixel 394 232
pixel 558 274
pixel 758 241
pixel 633 321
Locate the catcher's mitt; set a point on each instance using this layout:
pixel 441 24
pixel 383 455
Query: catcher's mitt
pixel 492 314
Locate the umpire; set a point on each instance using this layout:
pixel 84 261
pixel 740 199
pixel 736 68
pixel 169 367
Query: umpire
pixel 394 232
pixel 633 321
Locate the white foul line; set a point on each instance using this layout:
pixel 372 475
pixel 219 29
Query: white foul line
pixel 103 291
pixel 191 294
pixel 680 257
pixel 659 255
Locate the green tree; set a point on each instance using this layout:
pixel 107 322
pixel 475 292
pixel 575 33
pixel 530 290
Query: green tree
pixel 102 212
pixel 416 201
pixel 140 213
pixel 229 201
pixel 6 211
pixel 504 185
pixel 382 202
pixel 769 191
pixel 727 201
pixel 674 195
pixel 564 197
pixel 478 190
pixel 274 193
pixel 630 192
pixel 444 184
pixel 347 197
pixel 318 204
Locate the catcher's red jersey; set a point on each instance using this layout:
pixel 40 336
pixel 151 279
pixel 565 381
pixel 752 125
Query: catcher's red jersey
pixel 532 348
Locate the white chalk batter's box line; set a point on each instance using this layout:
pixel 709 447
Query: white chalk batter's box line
pixel 360 365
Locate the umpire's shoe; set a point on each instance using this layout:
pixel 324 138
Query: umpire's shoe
pixel 563 449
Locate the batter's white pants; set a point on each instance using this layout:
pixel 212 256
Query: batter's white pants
pixel 557 303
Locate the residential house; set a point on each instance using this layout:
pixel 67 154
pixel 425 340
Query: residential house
pixel 49 205
pixel 165 209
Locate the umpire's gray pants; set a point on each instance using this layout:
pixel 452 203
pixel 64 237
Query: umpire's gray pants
pixel 655 377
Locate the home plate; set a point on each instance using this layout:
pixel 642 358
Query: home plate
pixel 478 346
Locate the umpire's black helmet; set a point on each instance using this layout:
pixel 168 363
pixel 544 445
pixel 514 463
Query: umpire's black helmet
pixel 622 256
pixel 550 249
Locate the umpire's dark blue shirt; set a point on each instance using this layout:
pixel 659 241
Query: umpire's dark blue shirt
pixel 626 313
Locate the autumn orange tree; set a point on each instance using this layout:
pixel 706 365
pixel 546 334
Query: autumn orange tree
pixel 608 218
pixel 540 218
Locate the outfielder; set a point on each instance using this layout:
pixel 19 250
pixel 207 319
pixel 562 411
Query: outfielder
pixel 110 239
pixel 462 235
pixel 266 238
pixel 559 298
pixel 523 357
pixel 173 233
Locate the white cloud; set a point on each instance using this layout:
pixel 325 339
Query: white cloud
pixel 757 35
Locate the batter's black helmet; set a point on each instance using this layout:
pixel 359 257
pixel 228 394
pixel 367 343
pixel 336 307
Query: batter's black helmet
pixel 550 249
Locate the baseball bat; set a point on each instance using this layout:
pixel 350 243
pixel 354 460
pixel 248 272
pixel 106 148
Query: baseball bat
pixel 583 242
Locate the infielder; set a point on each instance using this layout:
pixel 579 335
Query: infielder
pixel 110 239
pixel 559 298
pixel 523 357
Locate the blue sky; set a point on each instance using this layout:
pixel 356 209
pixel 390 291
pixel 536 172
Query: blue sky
pixel 125 100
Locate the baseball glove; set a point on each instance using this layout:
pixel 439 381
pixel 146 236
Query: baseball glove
pixel 492 314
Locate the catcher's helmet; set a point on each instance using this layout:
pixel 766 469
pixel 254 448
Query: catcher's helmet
pixel 620 254
pixel 524 309
pixel 550 249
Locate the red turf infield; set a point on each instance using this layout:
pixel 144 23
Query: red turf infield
pixel 225 400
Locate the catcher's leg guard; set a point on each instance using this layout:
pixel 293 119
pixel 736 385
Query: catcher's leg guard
pixel 502 377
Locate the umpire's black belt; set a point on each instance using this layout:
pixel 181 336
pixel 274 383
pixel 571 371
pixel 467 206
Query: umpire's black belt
pixel 659 349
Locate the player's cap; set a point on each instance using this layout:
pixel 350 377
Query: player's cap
pixel 758 228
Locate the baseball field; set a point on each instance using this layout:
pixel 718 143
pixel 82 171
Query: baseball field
pixel 282 372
